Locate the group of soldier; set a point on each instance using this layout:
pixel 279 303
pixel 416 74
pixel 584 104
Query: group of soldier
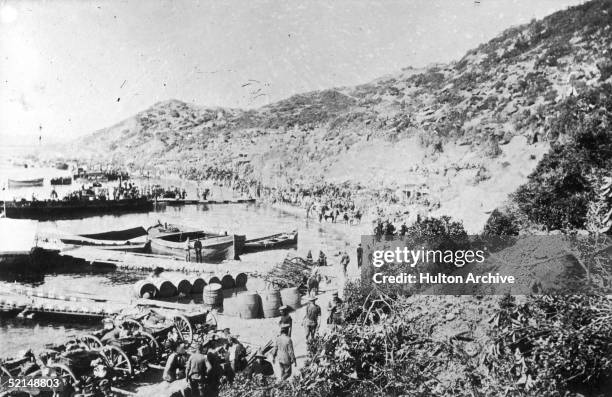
pixel 200 374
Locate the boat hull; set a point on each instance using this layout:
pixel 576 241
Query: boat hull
pixel 14 184
pixel 276 241
pixel 214 247
pixel 73 209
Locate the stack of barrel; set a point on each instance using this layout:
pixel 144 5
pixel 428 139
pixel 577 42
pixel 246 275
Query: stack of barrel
pixel 179 285
pixel 267 304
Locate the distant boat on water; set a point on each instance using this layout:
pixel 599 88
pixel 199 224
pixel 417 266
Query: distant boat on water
pixel 133 240
pixel 19 183
pixel 51 209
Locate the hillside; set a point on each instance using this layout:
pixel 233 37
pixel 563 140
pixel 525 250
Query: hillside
pixel 472 130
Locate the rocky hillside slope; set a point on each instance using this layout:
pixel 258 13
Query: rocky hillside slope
pixel 471 130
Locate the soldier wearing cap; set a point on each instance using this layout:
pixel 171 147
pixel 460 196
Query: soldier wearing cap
pixel 260 366
pixel 283 352
pixel 334 309
pixel 285 319
pixel 175 366
pixel 196 369
pixel 311 319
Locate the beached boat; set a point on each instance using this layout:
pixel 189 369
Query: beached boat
pixel 132 240
pixel 215 247
pixel 73 208
pixel 61 181
pixel 275 241
pixel 19 183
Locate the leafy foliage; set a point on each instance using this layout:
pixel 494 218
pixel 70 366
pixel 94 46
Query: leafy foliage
pixel 559 191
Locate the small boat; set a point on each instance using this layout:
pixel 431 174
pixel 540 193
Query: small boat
pixel 61 166
pixel 275 241
pixel 215 247
pixel 15 183
pixel 132 240
pixel 61 181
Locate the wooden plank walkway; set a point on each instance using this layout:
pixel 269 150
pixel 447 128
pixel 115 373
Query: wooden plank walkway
pixel 148 262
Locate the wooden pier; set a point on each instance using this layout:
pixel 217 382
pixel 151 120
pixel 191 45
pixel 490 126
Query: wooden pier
pixel 149 262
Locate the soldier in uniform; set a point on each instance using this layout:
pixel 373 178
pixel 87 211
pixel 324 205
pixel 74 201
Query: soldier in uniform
pixel 285 319
pixel 283 352
pixel 311 319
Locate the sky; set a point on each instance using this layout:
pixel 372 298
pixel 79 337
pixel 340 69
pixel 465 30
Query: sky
pixel 70 67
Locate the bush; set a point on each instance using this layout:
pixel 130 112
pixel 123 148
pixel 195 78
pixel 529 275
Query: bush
pixel 501 224
pixel 553 346
pixel 559 190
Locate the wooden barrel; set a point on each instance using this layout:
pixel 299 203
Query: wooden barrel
pixel 270 302
pixel 228 282
pixel 197 285
pixel 183 286
pixel 165 287
pixel 291 297
pixel 241 280
pixel 145 289
pixel 214 280
pixel 212 295
pixel 249 305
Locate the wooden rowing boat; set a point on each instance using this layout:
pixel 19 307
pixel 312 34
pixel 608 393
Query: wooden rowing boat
pixel 275 241
pixel 15 183
pixel 215 247
pixel 131 240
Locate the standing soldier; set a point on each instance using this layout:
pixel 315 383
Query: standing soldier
pixel 334 310
pixel 311 319
pixel 283 352
pixel 344 261
pixel 187 250
pixel 359 256
pixel 197 245
pixel 196 371
pixel 285 319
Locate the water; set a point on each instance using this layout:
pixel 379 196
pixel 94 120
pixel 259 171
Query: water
pixel 253 220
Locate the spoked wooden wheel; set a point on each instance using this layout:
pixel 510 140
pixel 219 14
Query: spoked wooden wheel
pixel 152 344
pixel 133 324
pixel 90 342
pixel 117 360
pixel 5 375
pixel 62 372
pixel 183 326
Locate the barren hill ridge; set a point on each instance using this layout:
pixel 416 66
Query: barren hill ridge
pixel 472 130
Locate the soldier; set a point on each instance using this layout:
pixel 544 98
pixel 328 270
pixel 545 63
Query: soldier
pixel 260 366
pixel 359 256
pixel 285 319
pixel 344 261
pixel 283 352
pixel 175 366
pixel 196 371
pixel 311 319
pixel 334 310
pixel 197 245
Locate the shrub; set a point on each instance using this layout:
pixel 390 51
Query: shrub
pixel 501 224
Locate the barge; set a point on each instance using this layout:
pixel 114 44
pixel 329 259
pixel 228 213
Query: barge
pixel 49 209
